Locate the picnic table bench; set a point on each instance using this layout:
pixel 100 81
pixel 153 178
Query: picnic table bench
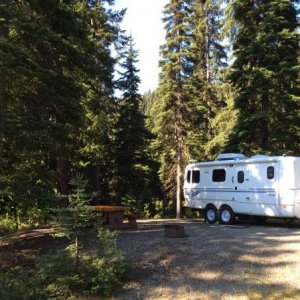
pixel 113 216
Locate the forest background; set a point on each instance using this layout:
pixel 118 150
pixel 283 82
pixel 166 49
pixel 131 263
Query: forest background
pixel 69 100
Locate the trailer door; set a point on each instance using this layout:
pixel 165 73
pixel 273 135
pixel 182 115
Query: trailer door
pixel 191 188
pixel 241 190
pixel 262 186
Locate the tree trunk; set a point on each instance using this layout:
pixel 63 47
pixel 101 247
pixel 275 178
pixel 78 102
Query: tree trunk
pixel 62 170
pixel 101 183
pixel 76 251
pixel 178 188
pixel 208 75
pixel 16 217
pixel 3 103
pixel 264 142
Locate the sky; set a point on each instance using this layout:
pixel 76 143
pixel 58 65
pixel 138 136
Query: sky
pixel 143 20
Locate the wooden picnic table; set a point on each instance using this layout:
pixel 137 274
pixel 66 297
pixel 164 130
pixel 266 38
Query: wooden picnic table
pixel 113 216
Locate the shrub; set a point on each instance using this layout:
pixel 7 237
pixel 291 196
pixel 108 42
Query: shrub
pixel 7 225
pixel 99 273
pixel 59 276
pixel 19 283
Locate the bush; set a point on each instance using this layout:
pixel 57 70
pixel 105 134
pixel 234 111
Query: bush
pixel 7 225
pixel 19 283
pixel 59 276
pixel 133 203
pixel 95 274
pixel 159 209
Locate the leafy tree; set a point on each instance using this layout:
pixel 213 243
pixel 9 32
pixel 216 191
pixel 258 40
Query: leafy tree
pixel 265 75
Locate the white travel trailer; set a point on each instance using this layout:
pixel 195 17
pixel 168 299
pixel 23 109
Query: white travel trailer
pixel 262 186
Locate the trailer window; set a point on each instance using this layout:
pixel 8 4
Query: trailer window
pixel 188 177
pixel 270 172
pixel 240 176
pixel 218 175
pixel 196 176
pixel 193 176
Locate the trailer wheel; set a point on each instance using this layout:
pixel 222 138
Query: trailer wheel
pixel 211 214
pixel 227 215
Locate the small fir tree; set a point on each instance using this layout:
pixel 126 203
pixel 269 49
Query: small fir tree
pixel 77 217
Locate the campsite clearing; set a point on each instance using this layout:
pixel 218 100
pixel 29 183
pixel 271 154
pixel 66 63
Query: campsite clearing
pixel 242 261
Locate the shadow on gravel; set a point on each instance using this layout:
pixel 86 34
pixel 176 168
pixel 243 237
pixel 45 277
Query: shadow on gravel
pixel 214 262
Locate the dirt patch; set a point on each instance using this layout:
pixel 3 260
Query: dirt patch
pixel 213 262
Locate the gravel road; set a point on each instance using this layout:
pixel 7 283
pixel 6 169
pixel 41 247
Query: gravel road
pixel 243 261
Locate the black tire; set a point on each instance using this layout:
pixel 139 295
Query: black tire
pixel 226 215
pixel 211 214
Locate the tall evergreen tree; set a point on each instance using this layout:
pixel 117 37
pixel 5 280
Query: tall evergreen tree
pixel 265 75
pixel 149 99
pixel 223 123
pixel 41 96
pixel 188 95
pixel 171 108
pixel 131 135
pixel 99 104
pixel 51 55
pixel 205 83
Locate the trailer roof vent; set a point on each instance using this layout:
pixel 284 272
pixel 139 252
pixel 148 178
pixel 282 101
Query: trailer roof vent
pixel 192 161
pixel 230 156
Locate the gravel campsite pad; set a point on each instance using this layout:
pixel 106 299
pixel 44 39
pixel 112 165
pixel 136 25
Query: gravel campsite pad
pixel 244 261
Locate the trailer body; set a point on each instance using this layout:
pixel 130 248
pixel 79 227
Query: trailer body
pixel 232 185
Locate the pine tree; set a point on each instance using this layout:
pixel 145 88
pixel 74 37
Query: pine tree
pixel 131 137
pixel 205 83
pixel 96 153
pixel 75 219
pixel 265 75
pixel 223 123
pixel 149 99
pixel 171 108
pixel 188 96
pixel 54 61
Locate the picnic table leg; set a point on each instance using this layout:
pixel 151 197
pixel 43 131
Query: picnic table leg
pixel 132 220
pixel 115 219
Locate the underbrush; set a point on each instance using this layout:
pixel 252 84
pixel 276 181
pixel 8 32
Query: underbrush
pixel 60 276
pixel 8 225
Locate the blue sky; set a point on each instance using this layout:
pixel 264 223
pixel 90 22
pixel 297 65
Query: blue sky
pixel 143 22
